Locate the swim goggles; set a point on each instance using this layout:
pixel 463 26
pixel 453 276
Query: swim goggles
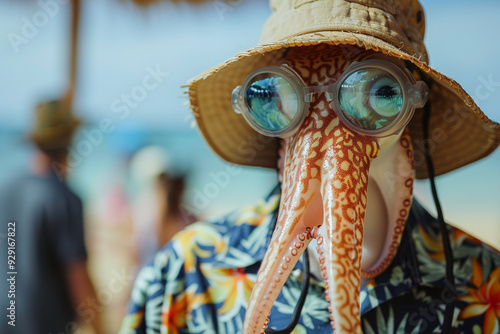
pixel 373 97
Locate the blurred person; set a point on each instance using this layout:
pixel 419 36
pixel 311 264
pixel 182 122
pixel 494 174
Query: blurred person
pixel 144 167
pixel 109 240
pixel 172 216
pixel 155 197
pixel 49 290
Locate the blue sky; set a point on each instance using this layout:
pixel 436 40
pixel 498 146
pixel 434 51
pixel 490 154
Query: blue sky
pixel 120 42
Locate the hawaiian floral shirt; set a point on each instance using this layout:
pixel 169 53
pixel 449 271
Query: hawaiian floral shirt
pixel 201 281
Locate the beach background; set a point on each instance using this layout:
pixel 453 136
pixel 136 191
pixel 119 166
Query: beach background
pixel 121 44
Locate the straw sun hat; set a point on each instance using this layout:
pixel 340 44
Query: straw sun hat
pixel 459 132
pixel 54 125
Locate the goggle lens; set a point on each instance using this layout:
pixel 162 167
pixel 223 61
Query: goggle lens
pixel 272 102
pixel 371 98
pixel 374 98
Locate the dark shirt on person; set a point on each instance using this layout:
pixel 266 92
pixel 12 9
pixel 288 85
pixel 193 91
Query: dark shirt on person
pixel 48 223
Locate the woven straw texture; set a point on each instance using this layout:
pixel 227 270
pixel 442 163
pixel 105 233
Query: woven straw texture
pixel 459 134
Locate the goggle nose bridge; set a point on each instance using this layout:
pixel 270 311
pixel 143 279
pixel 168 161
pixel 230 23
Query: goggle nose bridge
pixel 310 91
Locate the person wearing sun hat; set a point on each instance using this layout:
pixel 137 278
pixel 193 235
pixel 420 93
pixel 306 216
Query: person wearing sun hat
pixel 45 219
pixel 339 97
pixel 54 126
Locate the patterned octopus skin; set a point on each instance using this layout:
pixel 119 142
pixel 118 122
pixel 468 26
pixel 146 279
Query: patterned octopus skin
pixel 324 196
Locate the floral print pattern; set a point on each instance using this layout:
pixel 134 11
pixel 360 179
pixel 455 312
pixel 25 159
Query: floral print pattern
pixel 483 298
pixel 201 281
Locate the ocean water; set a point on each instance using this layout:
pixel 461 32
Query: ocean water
pixel 212 186
pixel 470 196
pixel 117 55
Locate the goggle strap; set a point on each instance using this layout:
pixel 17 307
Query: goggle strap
pixel 235 100
pixel 309 91
pixel 419 94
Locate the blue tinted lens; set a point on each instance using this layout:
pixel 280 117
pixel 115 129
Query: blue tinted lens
pixel 371 98
pixel 272 102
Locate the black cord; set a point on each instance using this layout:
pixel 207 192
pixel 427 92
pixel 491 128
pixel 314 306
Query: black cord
pixel 300 303
pixel 305 283
pixel 448 253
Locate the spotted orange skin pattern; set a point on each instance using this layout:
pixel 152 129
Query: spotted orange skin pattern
pixel 404 178
pixel 324 196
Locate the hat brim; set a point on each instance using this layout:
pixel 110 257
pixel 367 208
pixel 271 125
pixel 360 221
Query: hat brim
pixel 459 132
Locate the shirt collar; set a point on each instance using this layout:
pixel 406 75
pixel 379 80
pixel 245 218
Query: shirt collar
pixel 251 230
pixel 420 247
